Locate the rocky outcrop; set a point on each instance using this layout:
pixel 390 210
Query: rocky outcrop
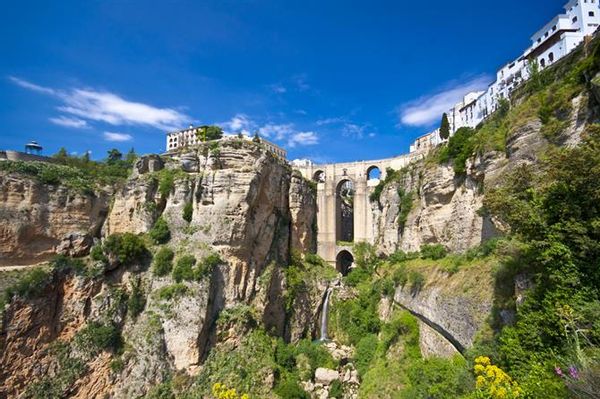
pixel 455 306
pixel 303 212
pixel 35 218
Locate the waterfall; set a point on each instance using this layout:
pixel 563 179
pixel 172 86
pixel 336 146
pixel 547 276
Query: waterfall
pixel 324 313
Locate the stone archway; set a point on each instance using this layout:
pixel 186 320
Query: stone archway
pixel 344 212
pixel 319 176
pixel 373 173
pixel 344 261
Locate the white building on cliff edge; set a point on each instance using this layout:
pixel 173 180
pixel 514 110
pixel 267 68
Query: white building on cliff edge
pixel 552 42
pixel 555 40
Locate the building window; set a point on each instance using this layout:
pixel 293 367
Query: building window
pixel 554 28
pixel 551 57
pixel 543 62
pixel 591 14
pixel 574 19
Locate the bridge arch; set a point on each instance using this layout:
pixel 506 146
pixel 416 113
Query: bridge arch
pixel 344 261
pixel 373 172
pixel 344 210
pixel 319 176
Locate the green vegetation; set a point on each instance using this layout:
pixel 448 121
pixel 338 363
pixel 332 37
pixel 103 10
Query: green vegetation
pixel 460 147
pixel 28 285
pixel 435 252
pixel 300 273
pixel 188 269
pixel 209 133
pixel 188 212
pixel 184 269
pixel 160 232
pixel 96 337
pixel 127 249
pixel 137 299
pixel 444 127
pixel 171 292
pixel 163 262
pixel 391 175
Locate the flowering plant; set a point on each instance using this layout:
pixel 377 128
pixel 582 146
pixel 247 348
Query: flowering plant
pixel 493 383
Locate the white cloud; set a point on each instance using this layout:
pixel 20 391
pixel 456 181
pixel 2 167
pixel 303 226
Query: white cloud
pixel 300 82
pixel 239 123
pixel 70 122
pixel 278 88
pixel 118 137
pixel 277 132
pixel 303 138
pixel 110 108
pixel 429 109
pixel 330 121
pixel 32 86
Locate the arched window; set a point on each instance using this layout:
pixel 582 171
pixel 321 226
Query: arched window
pixel 551 57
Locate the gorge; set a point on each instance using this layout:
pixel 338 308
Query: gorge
pixel 221 266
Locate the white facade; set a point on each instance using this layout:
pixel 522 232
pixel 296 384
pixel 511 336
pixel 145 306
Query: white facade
pixel 554 41
pixel 426 142
pixel 188 137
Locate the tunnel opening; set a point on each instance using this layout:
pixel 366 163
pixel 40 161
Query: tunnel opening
pixel 344 262
pixel 345 211
pixel 373 173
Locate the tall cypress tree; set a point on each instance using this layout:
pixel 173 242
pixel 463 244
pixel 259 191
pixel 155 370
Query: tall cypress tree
pixel 445 127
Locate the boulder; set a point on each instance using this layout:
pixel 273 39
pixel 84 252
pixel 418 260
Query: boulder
pixel 326 376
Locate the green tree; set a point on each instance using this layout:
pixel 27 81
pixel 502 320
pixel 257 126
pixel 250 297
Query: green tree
pixel 62 155
pixel 114 156
pixel 256 138
pixel 209 133
pixel 445 127
pixel 131 157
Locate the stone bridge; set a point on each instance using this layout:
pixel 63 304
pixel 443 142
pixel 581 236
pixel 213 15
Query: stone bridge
pixel 344 212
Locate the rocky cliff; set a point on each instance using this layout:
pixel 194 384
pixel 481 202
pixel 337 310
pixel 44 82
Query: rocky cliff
pixel 36 219
pixel 234 202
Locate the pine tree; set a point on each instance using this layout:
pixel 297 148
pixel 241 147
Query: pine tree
pixel 445 127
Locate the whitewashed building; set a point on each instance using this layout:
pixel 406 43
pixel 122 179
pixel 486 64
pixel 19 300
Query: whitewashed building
pixel 552 42
pixel 426 142
pixel 189 137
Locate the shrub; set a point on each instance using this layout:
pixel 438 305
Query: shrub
pixel 184 269
pixel 365 352
pixel 400 275
pixel 127 248
pixel 207 265
pixel 433 251
pixel 166 182
pixel 188 212
pixel 288 387
pixel 29 286
pixel 459 148
pixel 97 254
pixel 171 292
pixel 96 337
pixel 160 232
pixel 417 280
pixel 335 390
pixel 137 299
pixel 163 262
pixel 62 263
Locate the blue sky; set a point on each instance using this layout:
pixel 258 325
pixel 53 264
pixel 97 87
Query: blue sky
pixel 328 80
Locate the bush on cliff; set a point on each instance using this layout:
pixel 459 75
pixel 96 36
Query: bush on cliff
pixel 160 232
pixel 163 262
pixel 125 249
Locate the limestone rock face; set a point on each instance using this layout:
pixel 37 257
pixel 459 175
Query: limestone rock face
pixel 75 245
pixel 135 207
pixel 36 217
pixel 456 306
pixel 303 212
